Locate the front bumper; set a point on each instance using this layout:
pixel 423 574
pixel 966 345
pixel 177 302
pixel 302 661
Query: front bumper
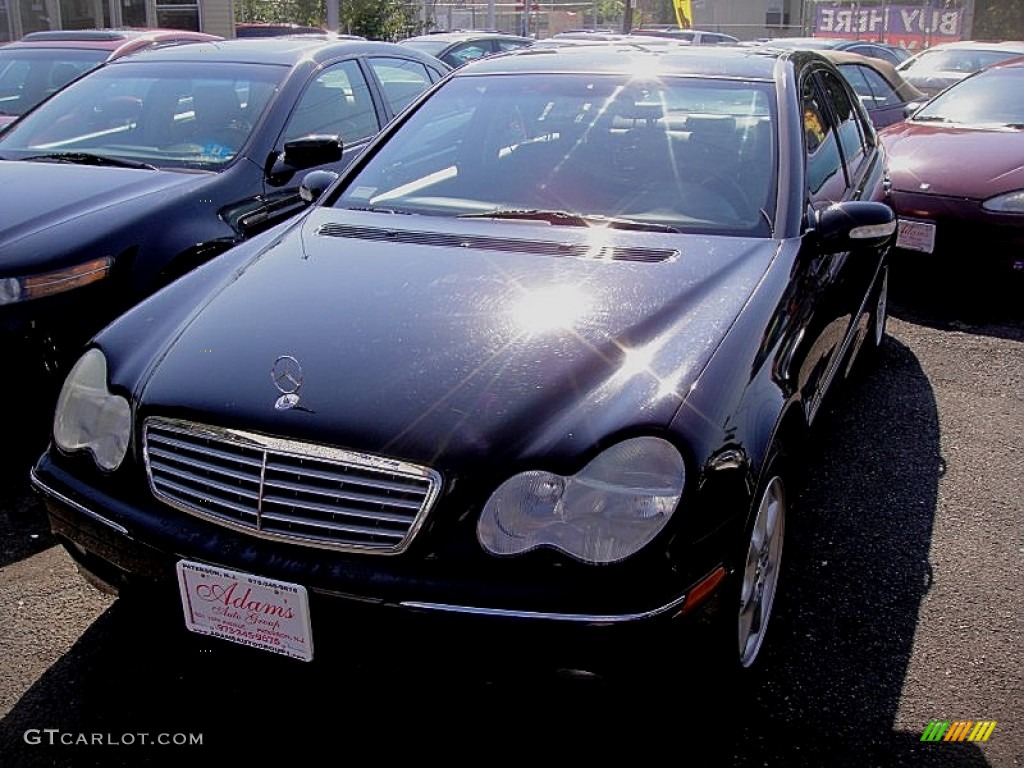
pixel 133 549
pixel 967 237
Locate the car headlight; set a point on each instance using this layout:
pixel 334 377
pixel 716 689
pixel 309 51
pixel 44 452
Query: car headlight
pixel 14 289
pixel 604 513
pixel 89 417
pixel 1011 202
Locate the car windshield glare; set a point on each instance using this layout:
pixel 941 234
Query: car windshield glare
pixel 693 154
pixel 181 115
pixel 992 98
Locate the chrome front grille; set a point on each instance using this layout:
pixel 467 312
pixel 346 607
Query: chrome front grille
pixel 281 489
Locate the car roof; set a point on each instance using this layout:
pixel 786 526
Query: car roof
pixel 274 29
pixel 284 51
pixel 106 39
pixel 456 36
pixel 903 88
pixel 978 45
pixel 723 61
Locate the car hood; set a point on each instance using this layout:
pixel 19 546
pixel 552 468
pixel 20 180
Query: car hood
pixel 412 347
pixel 44 195
pixel 960 162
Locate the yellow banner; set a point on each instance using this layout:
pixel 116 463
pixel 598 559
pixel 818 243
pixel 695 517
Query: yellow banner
pixel 684 14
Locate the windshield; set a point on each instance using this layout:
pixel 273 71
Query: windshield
pixel 685 153
pixel 963 61
pixel 27 76
pixel 991 98
pixel 165 114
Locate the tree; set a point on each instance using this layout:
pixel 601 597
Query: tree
pixel 373 19
pixel 380 19
pixel 998 20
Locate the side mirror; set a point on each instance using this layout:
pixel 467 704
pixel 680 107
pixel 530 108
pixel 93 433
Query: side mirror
pixel 312 150
pixel 315 183
pixel 302 153
pixel 911 107
pixel 853 224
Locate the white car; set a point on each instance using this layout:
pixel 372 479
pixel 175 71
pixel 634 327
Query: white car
pixel 935 69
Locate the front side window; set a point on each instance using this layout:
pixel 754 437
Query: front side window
pixel 173 115
pixel 826 181
pixel 695 155
pixel 336 103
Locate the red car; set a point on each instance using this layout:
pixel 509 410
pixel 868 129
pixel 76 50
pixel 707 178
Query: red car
pixel 957 172
pixel 42 62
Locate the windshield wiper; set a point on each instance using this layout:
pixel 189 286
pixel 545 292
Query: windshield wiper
pixel 374 209
pixel 930 119
pixel 564 218
pixel 87 158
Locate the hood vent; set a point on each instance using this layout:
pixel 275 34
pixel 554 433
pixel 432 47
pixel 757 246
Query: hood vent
pixel 508 245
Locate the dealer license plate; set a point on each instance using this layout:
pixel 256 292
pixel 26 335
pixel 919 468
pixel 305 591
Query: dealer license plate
pixel 916 235
pixel 251 610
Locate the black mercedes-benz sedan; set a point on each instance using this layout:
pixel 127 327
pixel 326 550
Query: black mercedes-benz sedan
pixel 159 161
pixel 541 358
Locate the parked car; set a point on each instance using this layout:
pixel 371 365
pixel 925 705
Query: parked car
pixel 957 175
pixel 938 67
pixel 459 47
pixel 693 36
pixel 154 163
pixel 41 62
pixel 892 54
pixel 274 29
pixel 542 359
pixel 882 90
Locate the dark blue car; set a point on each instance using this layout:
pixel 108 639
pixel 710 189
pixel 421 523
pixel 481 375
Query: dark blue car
pixel 157 162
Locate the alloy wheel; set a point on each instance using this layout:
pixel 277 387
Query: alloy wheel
pixel 761 571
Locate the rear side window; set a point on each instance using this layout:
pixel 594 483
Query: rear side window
pixel 401 80
pixel 510 45
pixel 884 95
pixel 467 52
pixel 852 132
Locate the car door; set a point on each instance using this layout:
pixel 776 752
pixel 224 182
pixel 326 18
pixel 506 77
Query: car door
pixel 350 100
pixel 843 162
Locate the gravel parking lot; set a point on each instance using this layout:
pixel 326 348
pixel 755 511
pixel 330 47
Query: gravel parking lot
pixel 901 604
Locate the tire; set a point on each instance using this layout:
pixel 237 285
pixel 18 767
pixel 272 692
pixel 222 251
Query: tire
pixel 742 617
pixel 758 576
pixel 879 316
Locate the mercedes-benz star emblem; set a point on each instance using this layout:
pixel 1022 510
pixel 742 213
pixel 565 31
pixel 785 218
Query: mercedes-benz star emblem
pixel 286 373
